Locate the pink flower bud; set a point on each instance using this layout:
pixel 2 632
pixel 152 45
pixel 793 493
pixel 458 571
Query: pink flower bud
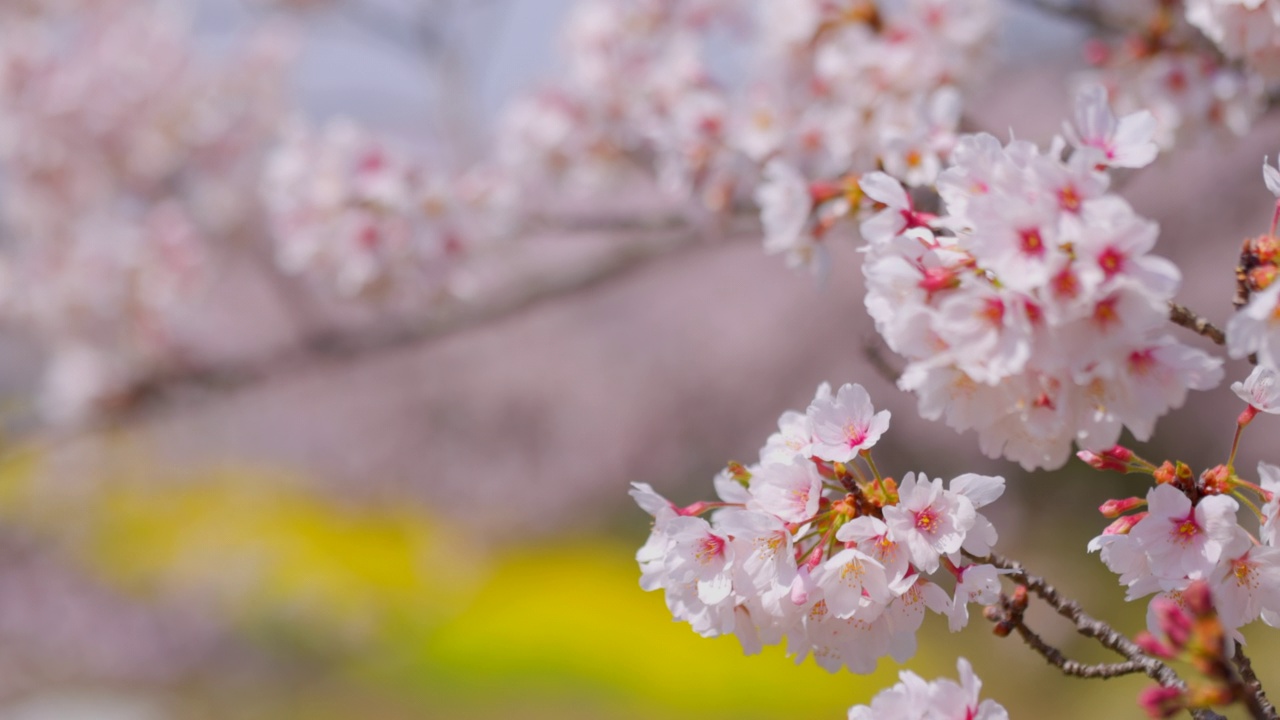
pixel 1124 524
pixel 1103 461
pixel 695 509
pixel 1198 598
pixel 1152 645
pixel 1162 702
pixel 1173 622
pixel 1116 508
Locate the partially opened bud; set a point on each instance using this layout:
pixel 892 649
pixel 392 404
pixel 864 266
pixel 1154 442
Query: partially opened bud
pixel 1122 525
pixel 1116 508
pixel 1162 702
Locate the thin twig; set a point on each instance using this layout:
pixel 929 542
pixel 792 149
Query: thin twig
pixel 1187 318
pixel 1252 686
pixel 1085 624
pixel 1090 627
pixel 1104 671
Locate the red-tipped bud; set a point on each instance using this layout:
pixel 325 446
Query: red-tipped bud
pixel 1198 598
pixel 825 469
pixel 1116 458
pixel 696 509
pixel 1116 508
pixel 1019 600
pixel 1216 480
pixel 935 280
pixel 1122 525
pixel 1120 453
pixel 815 557
pixel 739 472
pixel 1153 646
pixel 1097 462
pixel 1162 702
pixel 1165 474
pixel 1173 622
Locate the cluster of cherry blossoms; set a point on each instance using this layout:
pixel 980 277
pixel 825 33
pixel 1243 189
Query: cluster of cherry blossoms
pixel 849 85
pixel 360 215
pixel 636 92
pixel 943 699
pixel 126 157
pixel 1247 30
pixel 1163 64
pixel 1031 310
pixel 813 544
pixel 1187 530
pixel 855 86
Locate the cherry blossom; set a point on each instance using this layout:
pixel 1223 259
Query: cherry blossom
pixel 943 699
pixel 1032 310
pixel 1260 389
pixel 831 556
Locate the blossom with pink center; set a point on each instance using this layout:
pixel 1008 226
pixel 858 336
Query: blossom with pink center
pixel 699 555
pixel 943 699
pixel 1261 389
pixel 871 536
pixel 930 520
pixel 1182 541
pixel 1128 142
pixel 1246 581
pixel 960 701
pixel 846 425
pixel 898 213
pixel 853 584
pixel 762 548
pixel 790 491
pixel 974 584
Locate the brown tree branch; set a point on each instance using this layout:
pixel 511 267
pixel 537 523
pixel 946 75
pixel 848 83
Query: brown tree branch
pixel 327 346
pixel 1187 318
pixel 1252 686
pixel 1074 668
pixel 1090 627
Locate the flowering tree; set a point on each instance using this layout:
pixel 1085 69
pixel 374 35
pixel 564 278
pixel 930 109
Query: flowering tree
pixel 1020 288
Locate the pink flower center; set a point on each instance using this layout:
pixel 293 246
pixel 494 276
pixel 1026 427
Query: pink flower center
pixel 927 520
pixel 709 548
pixel 1032 242
pixel 1185 530
pixel 855 434
pixel 1111 261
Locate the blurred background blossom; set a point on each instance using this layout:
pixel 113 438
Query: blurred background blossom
pixel 324 388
